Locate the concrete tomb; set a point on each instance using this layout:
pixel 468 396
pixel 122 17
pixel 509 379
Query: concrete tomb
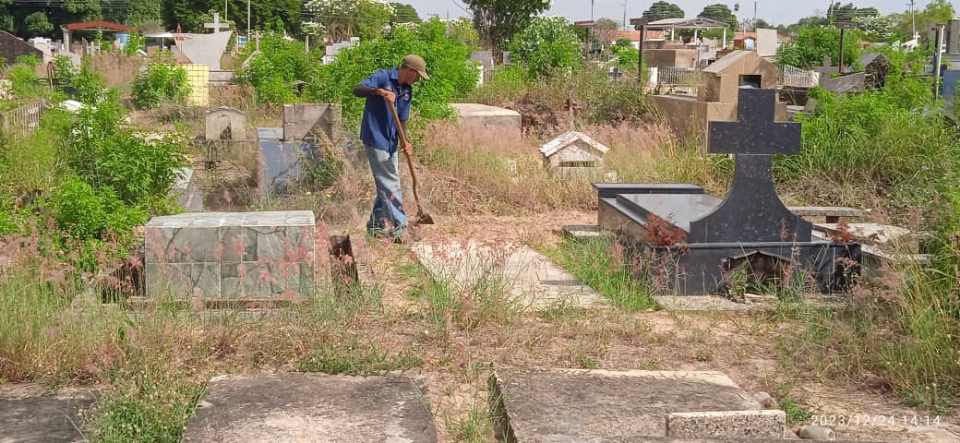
pixel 573 153
pixel 312 122
pixel 563 405
pixel 283 164
pixel 699 241
pixel 304 407
pixel 218 255
pixel 474 115
pixel 225 124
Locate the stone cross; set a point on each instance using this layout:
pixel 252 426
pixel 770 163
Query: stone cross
pixel 216 25
pixel 752 211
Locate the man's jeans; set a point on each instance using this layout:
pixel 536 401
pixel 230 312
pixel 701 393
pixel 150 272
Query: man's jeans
pixel 388 206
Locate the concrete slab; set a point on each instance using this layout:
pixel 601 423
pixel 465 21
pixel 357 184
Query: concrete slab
pixel 727 424
pixel 531 279
pixel 872 233
pixel 29 413
pixel 585 232
pixel 561 405
pixel 311 408
pixel 477 115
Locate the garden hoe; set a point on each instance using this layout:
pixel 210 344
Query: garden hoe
pixel 422 217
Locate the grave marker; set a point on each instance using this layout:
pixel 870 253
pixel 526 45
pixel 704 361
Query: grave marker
pixel 699 241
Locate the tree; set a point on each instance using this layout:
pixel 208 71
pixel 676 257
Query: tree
pixel 84 9
pixel 548 44
pixel 143 11
pixel 605 30
pixel 404 13
pixel 663 10
pixel 498 20
pixel 462 30
pixel 720 13
pixel 937 11
pixel 877 29
pixel 761 24
pixel 37 24
pixel 814 43
pixel 341 19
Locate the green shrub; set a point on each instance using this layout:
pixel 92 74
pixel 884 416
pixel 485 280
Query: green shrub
pixel 885 140
pixel 160 82
pixel 452 75
pixel 506 85
pixel 85 84
pixel 813 43
pixel 105 154
pixel 24 80
pixel 273 71
pixel 549 44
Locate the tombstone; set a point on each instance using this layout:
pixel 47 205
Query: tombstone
pixel 701 241
pixel 306 121
pixel 231 255
pixel 573 154
pixel 485 59
pixel 225 124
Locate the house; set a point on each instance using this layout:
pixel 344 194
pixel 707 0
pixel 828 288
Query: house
pixel 745 41
pixel 573 153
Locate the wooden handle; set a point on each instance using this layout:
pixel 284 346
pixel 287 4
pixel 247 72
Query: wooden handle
pixel 392 108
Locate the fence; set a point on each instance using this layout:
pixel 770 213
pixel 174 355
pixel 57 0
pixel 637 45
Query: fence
pixel 679 76
pixel 798 78
pixel 20 122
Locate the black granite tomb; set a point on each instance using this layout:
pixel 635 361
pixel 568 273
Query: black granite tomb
pixel 699 240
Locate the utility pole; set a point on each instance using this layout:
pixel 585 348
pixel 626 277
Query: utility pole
pixel 643 34
pixel 226 18
pixel 624 14
pixel 591 9
pixel 248 20
pixel 754 16
pixel 941 30
pixel 913 13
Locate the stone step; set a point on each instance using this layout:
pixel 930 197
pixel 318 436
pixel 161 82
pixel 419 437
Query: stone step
pixel 307 408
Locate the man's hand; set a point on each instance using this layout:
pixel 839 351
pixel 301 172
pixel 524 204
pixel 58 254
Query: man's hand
pixel 407 147
pixel 387 95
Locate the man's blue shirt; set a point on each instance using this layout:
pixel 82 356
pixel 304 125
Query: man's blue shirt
pixel 378 129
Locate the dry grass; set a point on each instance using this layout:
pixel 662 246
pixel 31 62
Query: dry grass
pixel 491 171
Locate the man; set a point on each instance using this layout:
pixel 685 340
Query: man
pixel 388 87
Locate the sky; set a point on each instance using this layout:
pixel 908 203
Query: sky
pixel 773 11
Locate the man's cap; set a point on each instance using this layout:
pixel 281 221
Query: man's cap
pixel 416 63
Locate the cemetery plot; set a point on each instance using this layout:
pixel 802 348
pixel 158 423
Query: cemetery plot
pixel 702 242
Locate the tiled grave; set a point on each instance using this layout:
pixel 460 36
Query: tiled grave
pixel 221 255
pixel 312 408
pixel 529 278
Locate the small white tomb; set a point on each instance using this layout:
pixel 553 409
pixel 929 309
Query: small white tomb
pixel 573 153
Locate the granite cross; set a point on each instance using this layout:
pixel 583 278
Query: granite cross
pixel 752 211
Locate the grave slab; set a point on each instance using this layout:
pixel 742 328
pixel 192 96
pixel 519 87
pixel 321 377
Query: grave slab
pixel 563 405
pixel 531 279
pixel 28 413
pixel 480 116
pixel 311 408
pixel 283 163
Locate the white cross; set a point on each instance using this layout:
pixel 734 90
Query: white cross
pixel 216 25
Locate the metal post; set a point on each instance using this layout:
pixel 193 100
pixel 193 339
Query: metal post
pixel 842 32
pixel 643 35
pixel 941 30
pixel 248 20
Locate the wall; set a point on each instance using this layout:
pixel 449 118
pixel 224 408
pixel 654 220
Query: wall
pixel 118 70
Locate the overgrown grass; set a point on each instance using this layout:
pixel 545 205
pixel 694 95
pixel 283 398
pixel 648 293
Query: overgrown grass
pixel 475 427
pixel 598 264
pixel 905 335
pixel 357 359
